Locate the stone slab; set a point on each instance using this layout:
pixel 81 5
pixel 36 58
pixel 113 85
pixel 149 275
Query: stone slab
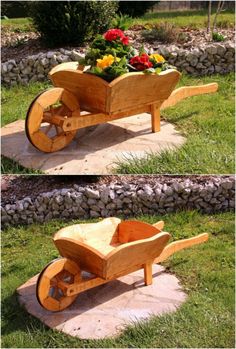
pixel 105 310
pixel 95 149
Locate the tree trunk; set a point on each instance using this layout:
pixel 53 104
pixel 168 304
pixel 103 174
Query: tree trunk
pixel 209 18
pixel 219 9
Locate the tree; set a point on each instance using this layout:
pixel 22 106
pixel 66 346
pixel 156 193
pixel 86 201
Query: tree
pixel 135 8
pixel 220 6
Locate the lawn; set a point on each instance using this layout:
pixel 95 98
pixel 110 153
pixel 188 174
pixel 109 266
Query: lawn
pixel 194 19
pixel 190 18
pixel 17 24
pixel 206 121
pixel 206 273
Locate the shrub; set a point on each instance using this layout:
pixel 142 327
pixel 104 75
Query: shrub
pixel 217 37
pixel 135 8
pixel 71 22
pixel 14 9
pixel 164 32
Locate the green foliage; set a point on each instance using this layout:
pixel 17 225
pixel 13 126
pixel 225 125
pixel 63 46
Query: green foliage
pixel 111 72
pixel 207 122
pixel 165 32
pixel 14 9
pixel 135 8
pixel 71 22
pixel 217 37
pixel 122 22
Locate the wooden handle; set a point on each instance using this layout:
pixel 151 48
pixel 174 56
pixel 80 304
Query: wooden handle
pixel 180 245
pixel 188 91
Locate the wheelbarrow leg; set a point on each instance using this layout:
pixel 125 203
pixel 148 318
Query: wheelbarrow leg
pixel 156 118
pixel 148 273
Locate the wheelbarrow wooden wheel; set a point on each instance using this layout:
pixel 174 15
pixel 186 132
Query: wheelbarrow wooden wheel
pixel 52 281
pixel 40 129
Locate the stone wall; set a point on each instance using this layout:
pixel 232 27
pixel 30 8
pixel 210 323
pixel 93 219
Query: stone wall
pixel 215 194
pixel 205 60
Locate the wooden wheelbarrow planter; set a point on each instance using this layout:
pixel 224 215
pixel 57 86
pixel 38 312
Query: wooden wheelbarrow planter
pixel 107 250
pixel 79 100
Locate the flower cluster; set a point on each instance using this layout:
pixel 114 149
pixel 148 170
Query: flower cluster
pixel 141 62
pixel 111 55
pixel 114 34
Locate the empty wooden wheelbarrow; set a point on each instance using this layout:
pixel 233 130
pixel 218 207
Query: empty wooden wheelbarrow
pixel 79 100
pixel 107 250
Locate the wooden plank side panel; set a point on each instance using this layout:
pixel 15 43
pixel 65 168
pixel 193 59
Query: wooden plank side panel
pixel 134 230
pixel 91 91
pixel 135 89
pixel 86 257
pixel 134 253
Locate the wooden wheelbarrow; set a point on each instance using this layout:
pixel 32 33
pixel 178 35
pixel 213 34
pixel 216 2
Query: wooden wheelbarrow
pixel 107 250
pixel 79 100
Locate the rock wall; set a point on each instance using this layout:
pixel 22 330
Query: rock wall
pixel 93 201
pixel 204 60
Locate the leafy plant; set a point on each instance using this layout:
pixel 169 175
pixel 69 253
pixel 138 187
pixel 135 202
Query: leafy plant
pixel 71 22
pixel 111 55
pixel 217 37
pixel 164 32
pixel 122 22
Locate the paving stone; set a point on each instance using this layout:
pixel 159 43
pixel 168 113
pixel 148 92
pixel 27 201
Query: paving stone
pixel 105 310
pixel 95 149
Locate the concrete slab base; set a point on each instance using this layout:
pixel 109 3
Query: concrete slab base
pixel 104 311
pixel 95 149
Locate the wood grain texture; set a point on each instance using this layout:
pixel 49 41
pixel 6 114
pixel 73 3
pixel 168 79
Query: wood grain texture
pixel 188 91
pixel 134 253
pixel 159 225
pixel 140 89
pixel 148 272
pixel 180 245
pixel 129 231
pixel 97 248
pixel 156 117
pixel 51 290
pixel 123 93
pixel 41 118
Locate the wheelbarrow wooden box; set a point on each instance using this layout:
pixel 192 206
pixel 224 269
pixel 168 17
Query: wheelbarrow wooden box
pixel 108 249
pixel 80 99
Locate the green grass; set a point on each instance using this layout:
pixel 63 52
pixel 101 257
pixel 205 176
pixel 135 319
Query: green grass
pixel 17 24
pixel 206 272
pixel 9 166
pixel 16 100
pixel 207 121
pixel 191 18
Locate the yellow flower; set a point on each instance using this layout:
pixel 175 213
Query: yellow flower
pixel 106 61
pixel 158 58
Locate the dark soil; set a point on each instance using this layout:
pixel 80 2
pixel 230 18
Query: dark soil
pixel 16 187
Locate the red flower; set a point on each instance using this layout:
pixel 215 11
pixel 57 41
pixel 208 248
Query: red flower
pixel 141 62
pixel 125 40
pixel 114 34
